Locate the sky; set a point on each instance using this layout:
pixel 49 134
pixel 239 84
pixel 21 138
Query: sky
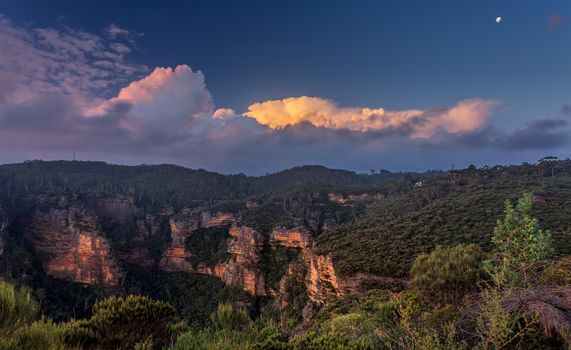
pixel 259 86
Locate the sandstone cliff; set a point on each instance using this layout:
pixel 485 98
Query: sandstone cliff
pixel 71 246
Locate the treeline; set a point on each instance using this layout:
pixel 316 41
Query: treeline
pixel 156 186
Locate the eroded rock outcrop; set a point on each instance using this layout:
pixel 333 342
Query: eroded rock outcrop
pixel 71 247
pixel 321 279
pixel 208 219
pixel 243 269
pixel 182 225
pixel 175 257
pixel 297 237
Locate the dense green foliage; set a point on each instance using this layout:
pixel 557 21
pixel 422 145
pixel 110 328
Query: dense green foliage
pixel 437 233
pixel 17 308
pixel 520 243
pixel 448 272
pixel 462 207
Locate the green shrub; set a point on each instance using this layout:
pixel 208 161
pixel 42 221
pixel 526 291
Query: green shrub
pixel 123 323
pixel 17 308
pixel 40 335
pixel 226 317
pixel 558 272
pixel 448 273
pixel 208 339
pixel 520 244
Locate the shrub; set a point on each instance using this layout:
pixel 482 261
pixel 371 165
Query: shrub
pixel 17 308
pixel 558 272
pixel 134 321
pixel 40 335
pixel 208 339
pixel 226 317
pixel 448 273
pixel 520 244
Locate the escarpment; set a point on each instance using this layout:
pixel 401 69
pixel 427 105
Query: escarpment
pixel 94 241
pixel 72 247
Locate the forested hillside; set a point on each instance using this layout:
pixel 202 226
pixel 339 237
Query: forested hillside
pixel 307 258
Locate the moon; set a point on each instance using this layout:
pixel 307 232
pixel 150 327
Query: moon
pixel 498 19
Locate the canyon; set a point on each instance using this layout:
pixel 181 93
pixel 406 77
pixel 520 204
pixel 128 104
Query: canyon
pixel 68 236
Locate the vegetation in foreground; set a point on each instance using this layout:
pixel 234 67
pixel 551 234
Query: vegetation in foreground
pixel 516 297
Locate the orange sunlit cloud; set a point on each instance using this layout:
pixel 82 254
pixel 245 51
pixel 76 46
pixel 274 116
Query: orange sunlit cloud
pixel 465 116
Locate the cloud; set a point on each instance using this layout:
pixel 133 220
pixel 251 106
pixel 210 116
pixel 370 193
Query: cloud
pixel 555 21
pixel 36 61
pixel 465 116
pixel 566 110
pixel 59 92
pixel 167 101
pixel 539 134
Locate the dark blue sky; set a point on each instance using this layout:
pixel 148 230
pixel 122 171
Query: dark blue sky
pixel 396 54
pixel 399 55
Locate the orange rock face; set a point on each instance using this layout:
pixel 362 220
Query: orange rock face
pixel 242 269
pixel 298 237
pixel 321 279
pixel 208 219
pixel 74 248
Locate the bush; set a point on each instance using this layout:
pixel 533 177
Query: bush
pixel 226 317
pixel 520 244
pixel 17 308
pixel 558 273
pixel 448 273
pixel 126 323
pixel 40 335
pixel 208 339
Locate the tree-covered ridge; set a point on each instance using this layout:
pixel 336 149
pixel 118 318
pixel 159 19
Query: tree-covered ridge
pixel 461 207
pixel 159 185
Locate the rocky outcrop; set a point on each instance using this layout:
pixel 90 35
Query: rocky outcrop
pixel 321 279
pixel 208 219
pixel 71 247
pixel 298 237
pixel 182 225
pixel 243 268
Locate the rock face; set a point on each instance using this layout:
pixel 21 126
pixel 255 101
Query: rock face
pixel 208 219
pixel 244 245
pixel 298 237
pixel 72 247
pixel 182 225
pixel 175 257
pixel 321 279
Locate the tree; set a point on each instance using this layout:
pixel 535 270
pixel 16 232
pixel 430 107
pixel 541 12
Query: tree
pixel 448 273
pixel 520 244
